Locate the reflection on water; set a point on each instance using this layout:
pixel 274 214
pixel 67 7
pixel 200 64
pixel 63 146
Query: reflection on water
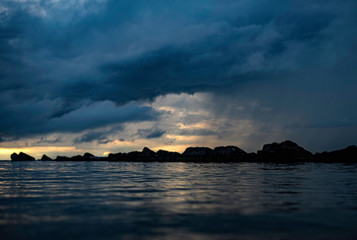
pixel 109 200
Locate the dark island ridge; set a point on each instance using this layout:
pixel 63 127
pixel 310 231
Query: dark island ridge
pixel 284 152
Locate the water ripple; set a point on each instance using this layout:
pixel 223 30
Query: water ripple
pixel 106 200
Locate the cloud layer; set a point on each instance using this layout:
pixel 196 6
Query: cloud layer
pixel 81 66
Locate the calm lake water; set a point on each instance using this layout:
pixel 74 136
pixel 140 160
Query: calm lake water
pixel 122 200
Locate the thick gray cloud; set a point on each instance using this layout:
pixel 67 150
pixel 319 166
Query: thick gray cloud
pixel 150 133
pixel 100 137
pixel 70 66
pixel 33 118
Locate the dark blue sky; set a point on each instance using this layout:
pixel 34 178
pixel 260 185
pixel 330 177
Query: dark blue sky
pixel 105 75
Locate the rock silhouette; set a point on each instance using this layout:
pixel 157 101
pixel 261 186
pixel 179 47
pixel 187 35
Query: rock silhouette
pixel 231 153
pixel 62 158
pixel 21 157
pixel 348 154
pixel 147 155
pixel 46 158
pixel 283 152
pixel 117 156
pixel 164 156
pixel 85 157
pixel 88 156
pixel 198 154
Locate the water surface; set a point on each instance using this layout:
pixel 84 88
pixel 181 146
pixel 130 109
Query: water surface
pixel 123 200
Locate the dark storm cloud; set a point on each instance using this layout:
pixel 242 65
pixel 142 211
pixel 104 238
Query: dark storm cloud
pixel 59 59
pixel 102 137
pixel 35 118
pixel 150 133
pixel 49 141
pixel 198 132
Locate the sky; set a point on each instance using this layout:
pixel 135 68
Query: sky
pixel 105 76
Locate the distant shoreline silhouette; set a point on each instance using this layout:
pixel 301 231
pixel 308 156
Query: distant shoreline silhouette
pixel 284 152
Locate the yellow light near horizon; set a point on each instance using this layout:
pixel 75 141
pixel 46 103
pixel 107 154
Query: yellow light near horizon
pixel 183 138
pixel 54 149
pixel 35 151
pixel 106 153
pixel 173 148
pixel 192 126
pixel 12 150
pixel 5 153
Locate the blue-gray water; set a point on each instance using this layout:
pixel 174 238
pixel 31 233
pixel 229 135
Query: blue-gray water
pixel 121 200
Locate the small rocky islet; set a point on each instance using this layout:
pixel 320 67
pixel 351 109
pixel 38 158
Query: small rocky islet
pixel 284 152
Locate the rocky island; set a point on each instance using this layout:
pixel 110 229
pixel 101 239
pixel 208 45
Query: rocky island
pixel 284 152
